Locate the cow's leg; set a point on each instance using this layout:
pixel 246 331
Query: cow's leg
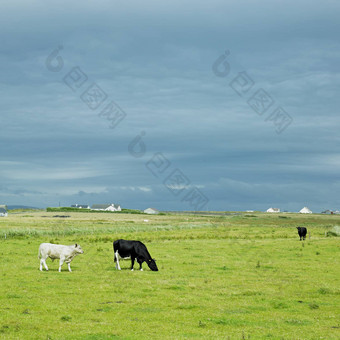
pixel 132 262
pixel 69 266
pixel 43 262
pixel 117 261
pixel 45 265
pixel 61 263
pixel 140 264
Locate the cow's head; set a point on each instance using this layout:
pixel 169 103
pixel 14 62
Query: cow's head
pixel 78 249
pixel 152 265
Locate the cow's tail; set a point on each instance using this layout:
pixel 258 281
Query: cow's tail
pixel 39 254
pixel 114 251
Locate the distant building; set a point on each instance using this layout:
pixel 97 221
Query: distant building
pixel 305 210
pixel 249 211
pixel 273 210
pixel 106 207
pixel 3 212
pixel 328 212
pixel 80 206
pixel 151 211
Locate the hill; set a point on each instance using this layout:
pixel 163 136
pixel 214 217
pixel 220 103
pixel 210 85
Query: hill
pixel 15 207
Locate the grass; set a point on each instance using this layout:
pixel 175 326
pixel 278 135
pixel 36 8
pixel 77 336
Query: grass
pixel 232 276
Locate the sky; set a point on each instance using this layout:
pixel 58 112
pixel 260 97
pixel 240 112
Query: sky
pixel 181 105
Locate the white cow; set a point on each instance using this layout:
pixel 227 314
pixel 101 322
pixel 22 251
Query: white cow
pixel 58 251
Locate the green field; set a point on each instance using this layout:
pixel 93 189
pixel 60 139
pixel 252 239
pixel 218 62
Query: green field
pixel 220 277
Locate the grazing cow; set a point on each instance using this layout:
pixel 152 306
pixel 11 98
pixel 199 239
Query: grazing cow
pixel 58 251
pixel 134 250
pixel 302 232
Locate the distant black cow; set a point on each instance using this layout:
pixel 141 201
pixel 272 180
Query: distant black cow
pixel 302 232
pixel 134 250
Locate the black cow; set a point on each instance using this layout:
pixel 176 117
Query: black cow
pixel 134 250
pixel 302 232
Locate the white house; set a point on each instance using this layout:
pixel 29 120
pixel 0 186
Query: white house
pixel 305 210
pixel 273 210
pixel 106 207
pixel 3 212
pixel 151 211
pixel 80 206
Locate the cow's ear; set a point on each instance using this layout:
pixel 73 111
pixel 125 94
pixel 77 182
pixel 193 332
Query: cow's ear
pixel 76 245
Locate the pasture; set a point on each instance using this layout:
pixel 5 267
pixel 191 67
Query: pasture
pixel 241 276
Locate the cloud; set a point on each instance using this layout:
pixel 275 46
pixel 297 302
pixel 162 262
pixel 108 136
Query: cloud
pixel 154 60
pixel 145 189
